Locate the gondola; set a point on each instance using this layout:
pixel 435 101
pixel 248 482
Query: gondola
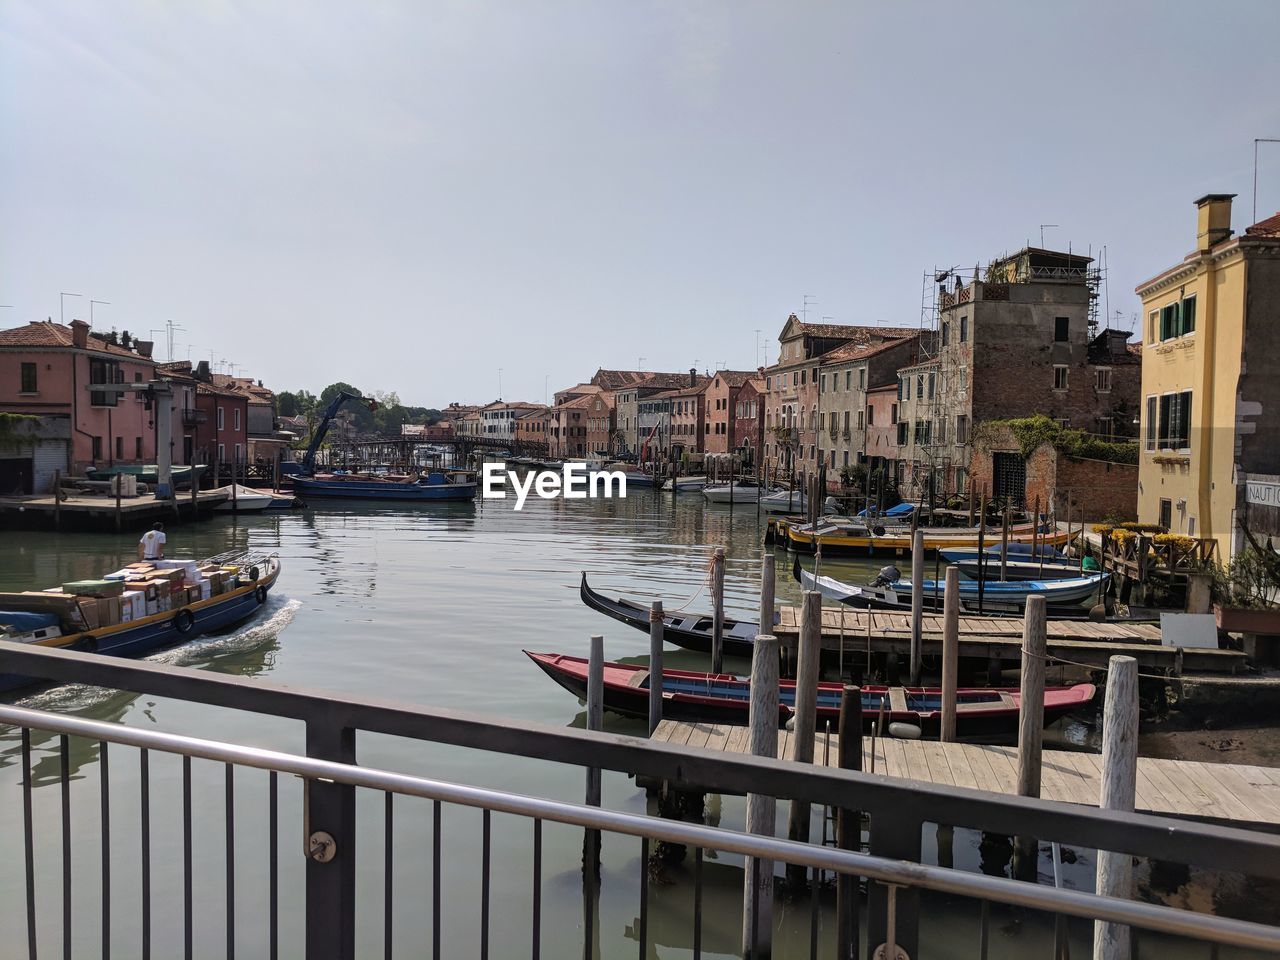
pixel 725 698
pixel 691 631
pixel 996 596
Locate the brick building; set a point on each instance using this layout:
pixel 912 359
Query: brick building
pixel 600 425
pixel 881 442
pixel 720 404
pixel 686 417
pixel 748 421
pixel 631 434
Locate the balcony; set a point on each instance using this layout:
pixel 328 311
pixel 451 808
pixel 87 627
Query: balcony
pixel 191 416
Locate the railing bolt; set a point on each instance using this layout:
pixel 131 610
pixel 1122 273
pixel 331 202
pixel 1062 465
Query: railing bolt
pixel 322 847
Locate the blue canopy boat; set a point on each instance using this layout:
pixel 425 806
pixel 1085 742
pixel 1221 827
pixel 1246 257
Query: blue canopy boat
pixel 436 485
pixel 998 596
pixel 198 602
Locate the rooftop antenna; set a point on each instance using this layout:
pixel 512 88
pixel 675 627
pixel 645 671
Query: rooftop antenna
pixel 62 299
pixel 499 383
pixel 171 328
pixel 640 363
pixel 804 308
pixel 1257 141
pixel 1042 226
pixel 105 303
pixel 757 346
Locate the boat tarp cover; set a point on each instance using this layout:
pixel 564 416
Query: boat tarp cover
pixel 901 510
pixel 21 621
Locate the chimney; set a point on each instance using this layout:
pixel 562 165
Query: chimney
pixel 79 333
pixel 202 372
pixel 1213 220
pixel 144 347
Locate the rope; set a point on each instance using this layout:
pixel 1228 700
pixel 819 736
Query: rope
pixel 1049 657
pixel 705 580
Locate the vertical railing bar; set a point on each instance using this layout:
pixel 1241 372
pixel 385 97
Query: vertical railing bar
pixel 755 907
pixel 187 934
pixel 644 897
pixel 435 881
pixel 29 848
pixel 64 752
pixel 273 866
pixel 388 825
pixel 816 888
pixel 536 952
pixel 984 924
pixel 697 903
pixel 105 796
pixel 144 810
pixel 484 884
pixel 231 862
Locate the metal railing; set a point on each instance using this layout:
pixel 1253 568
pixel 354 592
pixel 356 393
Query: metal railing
pixel 896 812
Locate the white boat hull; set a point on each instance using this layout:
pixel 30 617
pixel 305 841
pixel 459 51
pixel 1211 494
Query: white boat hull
pixel 725 494
pixel 246 500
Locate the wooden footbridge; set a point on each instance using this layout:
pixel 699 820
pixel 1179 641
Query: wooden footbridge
pixel 1081 642
pixel 1242 794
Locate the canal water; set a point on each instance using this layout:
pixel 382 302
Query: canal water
pixel 429 604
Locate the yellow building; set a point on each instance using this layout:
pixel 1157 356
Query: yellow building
pixel 1211 378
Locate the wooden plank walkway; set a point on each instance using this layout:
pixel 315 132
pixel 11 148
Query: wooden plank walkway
pixel 1239 793
pixel 1077 641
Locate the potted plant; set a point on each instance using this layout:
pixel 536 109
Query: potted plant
pixel 1245 593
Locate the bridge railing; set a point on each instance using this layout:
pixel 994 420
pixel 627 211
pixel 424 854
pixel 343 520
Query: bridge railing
pixel 342 878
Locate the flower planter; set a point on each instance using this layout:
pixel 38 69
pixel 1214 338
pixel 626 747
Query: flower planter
pixel 1243 620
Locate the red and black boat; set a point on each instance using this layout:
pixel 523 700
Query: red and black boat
pixel 725 698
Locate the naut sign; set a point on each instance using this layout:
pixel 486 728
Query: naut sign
pixel 575 481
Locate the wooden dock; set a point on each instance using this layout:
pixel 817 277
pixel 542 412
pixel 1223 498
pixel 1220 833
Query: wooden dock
pixel 79 510
pixel 1238 793
pixel 1000 638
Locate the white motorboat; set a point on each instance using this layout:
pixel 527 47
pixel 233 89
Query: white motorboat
pixel 246 499
pixel 740 491
pixel 785 501
pixel 689 483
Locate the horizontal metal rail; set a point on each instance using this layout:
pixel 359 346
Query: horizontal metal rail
pixel 1222 930
pixel 1207 845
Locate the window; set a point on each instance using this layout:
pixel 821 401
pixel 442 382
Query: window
pixel 862 378
pixel 860 415
pixel 848 378
pixel 963 379
pixel 1153 334
pixel 902 433
pixel 942 430
pixel 1174 421
pixel 1166 513
pixel 822 386
pixel 904 391
pixel 1178 319
pixel 846 458
pixel 846 419
pixel 1102 379
pixel 104 371
pixel 220 418
pixel 1151 423
pixel 137 448
pixel 893 413
pixel 119 448
pixel 237 418
pixel 964 329
pixel 1060 376
pixel 919 386
pixel 962 429
pixel 946 332
pixel 28 378
pixel 932 379
pixel 97 448
pixel 871 416
pixel 1061 329
pixel 1106 428
pixel 222 451
pixel 795 378
pixel 768 383
pixel 1064 423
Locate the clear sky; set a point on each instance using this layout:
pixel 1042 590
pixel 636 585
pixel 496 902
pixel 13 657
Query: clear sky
pixel 410 196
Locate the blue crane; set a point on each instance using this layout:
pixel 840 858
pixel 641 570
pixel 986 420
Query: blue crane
pixel 322 428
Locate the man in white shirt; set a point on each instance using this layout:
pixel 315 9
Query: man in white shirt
pixel 151 546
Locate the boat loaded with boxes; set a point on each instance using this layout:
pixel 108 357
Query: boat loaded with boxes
pixel 140 608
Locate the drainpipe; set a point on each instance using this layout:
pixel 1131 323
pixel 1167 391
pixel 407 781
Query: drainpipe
pixel 1202 399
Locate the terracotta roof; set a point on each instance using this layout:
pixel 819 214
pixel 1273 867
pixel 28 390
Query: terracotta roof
pixel 46 333
pixel 686 391
pixel 665 381
pixel 735 378
pixel 856 332
pixel 1269 227
pixel 860 349
pixel 614 379
pixel 577 402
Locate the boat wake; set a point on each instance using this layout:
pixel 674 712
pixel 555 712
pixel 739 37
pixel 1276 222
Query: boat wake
pixel 256 637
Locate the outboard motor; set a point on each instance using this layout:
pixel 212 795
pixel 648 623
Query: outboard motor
pixel 831 506
pixel 887 575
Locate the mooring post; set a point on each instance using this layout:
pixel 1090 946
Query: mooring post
pixel 768 582
pixel 950 652
pixel 982 546
pixel 1119 783
pixel 806 717
pixel 115 482
pixel 655 665
pixel 595 710
pixel 57 499
pixel 848 825
pixel 917 602
pixel 1004 545
pixel 717 610
pixel 195 491
pixel 1030 721
pixel 762 808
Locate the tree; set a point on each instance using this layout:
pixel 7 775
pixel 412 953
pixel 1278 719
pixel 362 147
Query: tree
pixel 299 404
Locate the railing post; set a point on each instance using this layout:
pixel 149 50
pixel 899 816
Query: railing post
pixel 330 808
pixel 895 835
pixel 848 826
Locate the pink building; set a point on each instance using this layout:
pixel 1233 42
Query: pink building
pixel 49 368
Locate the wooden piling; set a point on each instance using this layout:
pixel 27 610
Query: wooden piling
pixel 1030 725
pixel 761 807
pixel 848 825
pixel 1119 784
pixel 768 583
pixel 917 603
pixel 115 481
pixel 806 716
pixel 57 499
pixel 717 610
pixel 982 546
pixel 1004 545
pixel 950 652
pixel 655 665
pixel 595 710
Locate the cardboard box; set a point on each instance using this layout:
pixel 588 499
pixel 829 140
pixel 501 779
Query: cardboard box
pixel 109 612
pixel 134 604
pixel 168 576
pixel 94 588
pixel 89 613
pixel 206 589
pixel 152 607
